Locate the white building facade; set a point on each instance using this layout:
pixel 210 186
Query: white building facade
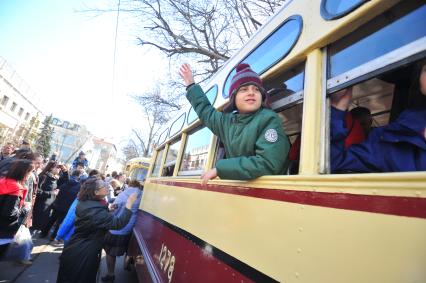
pixel 20 114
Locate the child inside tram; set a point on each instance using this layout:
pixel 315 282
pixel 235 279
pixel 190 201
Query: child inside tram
pixel 397 147
pixel 254 140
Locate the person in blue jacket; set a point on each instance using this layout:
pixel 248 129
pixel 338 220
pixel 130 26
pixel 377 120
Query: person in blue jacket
pixel 397 147
pixel 67 227
pixel 81 160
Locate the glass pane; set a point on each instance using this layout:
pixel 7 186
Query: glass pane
pixel 211 96
pixel 386 33
pixel 288 83
pixel 141 174
pixel 196 151
pixel 177 125
pixel 157 163
pixel 335 8
pixel 163 136
pixel 270 51
pixel 171 157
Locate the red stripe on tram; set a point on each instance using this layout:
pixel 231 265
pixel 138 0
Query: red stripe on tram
pixel 392 205
pixel 178 256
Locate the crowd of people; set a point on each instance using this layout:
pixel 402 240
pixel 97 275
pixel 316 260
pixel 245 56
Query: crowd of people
pixel 76 207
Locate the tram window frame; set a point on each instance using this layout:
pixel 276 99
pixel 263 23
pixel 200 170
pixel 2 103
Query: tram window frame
pixel 169 172
pixel 279 102
pixel 298 19
pixel 162 139
pixel 192 115
pixel 379 66
pixel 399 82
pixel 175 128
pixel 328 16
pixel 392 59
pixel 199 171
pixel 157 163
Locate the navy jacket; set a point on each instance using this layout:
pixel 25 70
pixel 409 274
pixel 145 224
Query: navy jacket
pixel 67 194
pixel 397 147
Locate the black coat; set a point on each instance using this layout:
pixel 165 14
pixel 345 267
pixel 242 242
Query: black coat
pixel 44 199
pixel 80 258
pixel 67 194
pixel 11 216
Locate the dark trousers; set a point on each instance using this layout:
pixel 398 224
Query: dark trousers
pixel 55 218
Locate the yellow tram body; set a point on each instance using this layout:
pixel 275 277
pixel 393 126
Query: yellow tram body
pixel 309 227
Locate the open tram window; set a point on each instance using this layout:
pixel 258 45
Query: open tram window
pixel 157 163
pixel 394 138
pixel 376 67
pixel 171 157
pixel 286 98
pixel 196 152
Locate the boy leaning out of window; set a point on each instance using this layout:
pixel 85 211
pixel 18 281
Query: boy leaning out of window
pixel 253 136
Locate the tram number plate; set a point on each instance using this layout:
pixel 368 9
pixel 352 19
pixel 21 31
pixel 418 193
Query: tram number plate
pixel 167 261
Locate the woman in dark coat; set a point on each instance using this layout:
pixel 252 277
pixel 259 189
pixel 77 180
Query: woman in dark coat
pixel 397 147
pixel 45 197
pixel 12 198
pixel 80 258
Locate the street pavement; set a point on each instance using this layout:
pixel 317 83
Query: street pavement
pixel 46 264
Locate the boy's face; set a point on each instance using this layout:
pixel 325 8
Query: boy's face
pixel 248 99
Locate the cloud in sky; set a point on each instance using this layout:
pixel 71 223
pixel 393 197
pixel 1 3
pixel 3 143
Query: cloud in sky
pixel 66 57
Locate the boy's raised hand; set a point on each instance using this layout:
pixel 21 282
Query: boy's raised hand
pixel 186 73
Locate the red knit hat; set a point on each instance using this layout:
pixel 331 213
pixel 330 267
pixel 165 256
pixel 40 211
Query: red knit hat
pixel 244 76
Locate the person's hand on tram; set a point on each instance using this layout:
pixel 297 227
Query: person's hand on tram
pixel 186 74
pixel 341 99
pixel 131 200
pixel 210 174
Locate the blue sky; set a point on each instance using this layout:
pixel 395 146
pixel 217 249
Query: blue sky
pixel 66 56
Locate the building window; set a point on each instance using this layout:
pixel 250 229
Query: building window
pixel 4 100
pixel 21 111
pixel 27 116
pixel 13 107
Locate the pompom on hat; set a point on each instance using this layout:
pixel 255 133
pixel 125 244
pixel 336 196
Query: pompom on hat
pixel 244 76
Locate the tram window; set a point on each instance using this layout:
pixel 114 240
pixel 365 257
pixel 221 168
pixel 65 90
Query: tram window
pixel 286 89
pixel 163 136
pixel 273 49
pixel 177 125
pixel 211 96
pixel 397 33
pixel 196 152
pixel 172 153
pixel 286 97
pixel 334 9
pixel 157 163
pixel 387 95
pixel 139 174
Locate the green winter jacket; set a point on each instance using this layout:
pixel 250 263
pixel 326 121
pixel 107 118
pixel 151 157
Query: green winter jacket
pixel 255 144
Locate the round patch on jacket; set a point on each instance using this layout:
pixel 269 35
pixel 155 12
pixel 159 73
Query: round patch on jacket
pixel 271 135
